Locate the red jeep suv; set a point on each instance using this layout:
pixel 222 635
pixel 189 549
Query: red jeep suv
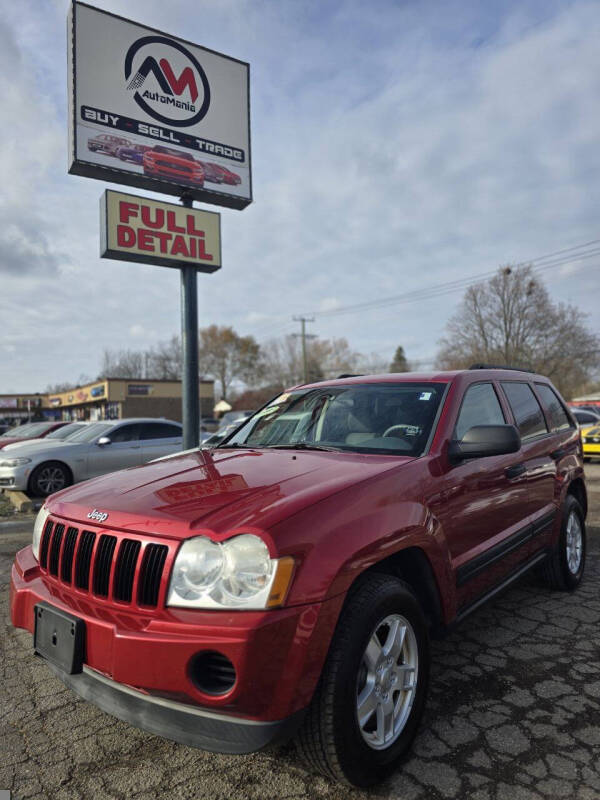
pixel 287 581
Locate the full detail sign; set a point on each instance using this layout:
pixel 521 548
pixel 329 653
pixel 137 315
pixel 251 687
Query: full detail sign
pixel 154 111
pixel 152 232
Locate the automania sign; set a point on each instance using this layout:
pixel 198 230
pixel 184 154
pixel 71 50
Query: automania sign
pixel 150 110
pixel 152 232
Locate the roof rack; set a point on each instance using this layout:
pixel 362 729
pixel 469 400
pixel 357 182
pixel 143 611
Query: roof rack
pixel 501 366
pixel 350 375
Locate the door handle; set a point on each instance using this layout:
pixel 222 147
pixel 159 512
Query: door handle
pixel 556 455
pixel 515 470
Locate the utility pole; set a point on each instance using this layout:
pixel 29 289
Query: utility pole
pixel 304 335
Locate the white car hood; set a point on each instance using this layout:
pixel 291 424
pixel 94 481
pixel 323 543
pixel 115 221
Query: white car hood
pixel 41 446
pixel 26 443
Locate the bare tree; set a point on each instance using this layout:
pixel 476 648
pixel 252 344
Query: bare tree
pixel 165 361
pixel 326 358
pixel 511 320
pixel 229 357
pixel 123 364
pixel 55 388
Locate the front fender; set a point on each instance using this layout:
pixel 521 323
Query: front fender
pixel 338 538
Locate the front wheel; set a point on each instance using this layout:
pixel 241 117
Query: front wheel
pixel 49 478
pixel 370 698
pixel 564 568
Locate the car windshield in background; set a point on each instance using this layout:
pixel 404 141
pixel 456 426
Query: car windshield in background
pixel 28 431
pixel 390 418
pixel 90 432
pixel 65 431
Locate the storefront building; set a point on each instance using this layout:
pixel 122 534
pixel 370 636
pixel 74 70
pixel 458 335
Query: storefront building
pixel 119 398
pixel 17 408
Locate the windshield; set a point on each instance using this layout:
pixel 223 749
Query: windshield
pixel 65 431
pixel 90 432
pixel 391 418
pixel 28 431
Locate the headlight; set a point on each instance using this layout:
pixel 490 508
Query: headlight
pixel 14 462
pixel 38 529
pixel 236 574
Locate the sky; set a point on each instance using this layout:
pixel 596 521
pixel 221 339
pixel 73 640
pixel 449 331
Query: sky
pixel 396 146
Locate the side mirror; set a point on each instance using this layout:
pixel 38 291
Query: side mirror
pixel 485 440
pixel 103 440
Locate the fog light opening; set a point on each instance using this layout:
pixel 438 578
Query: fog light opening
pixel 212 672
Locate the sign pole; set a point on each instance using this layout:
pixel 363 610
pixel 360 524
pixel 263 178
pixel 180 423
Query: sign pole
pixel 190 400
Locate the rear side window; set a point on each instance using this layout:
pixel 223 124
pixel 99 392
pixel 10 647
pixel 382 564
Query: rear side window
pixel 555 412
pixel 480 406
pixel 526 409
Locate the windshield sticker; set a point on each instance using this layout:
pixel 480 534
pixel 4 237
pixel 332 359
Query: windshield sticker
pixel 425 395
pixel 281 399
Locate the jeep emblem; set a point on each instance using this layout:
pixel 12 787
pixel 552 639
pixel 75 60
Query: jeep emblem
pixel 99 516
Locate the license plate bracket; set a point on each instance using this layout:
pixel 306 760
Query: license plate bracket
pixel 59 637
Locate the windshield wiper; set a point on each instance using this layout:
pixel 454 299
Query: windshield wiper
pixel 237 445
pixel 304 446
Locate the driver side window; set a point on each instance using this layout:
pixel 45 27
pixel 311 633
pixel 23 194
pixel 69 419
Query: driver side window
pixel 480 406
pixel 126 433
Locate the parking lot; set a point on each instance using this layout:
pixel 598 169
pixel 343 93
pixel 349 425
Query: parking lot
pixel 513 714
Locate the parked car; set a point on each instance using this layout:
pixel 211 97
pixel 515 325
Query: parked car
pixel 230 422
pixel 209 424
pixel 101 447
pixel 57 435
pixel 286 581
pixel 107 143
pixel 134 153
pixel 229 417
pixel 590 440
pixel 584 417
pixel 165 162
pixel 31 430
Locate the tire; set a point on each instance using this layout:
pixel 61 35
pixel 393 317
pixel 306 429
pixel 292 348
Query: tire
pixel 49 477
pixel 331 740
pixel 564 568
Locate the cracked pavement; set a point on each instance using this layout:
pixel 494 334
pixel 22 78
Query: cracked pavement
pixel 513 714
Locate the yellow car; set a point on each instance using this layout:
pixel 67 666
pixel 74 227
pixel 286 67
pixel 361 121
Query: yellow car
pixel 590 438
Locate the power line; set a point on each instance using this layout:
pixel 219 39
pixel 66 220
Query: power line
pixel 541 263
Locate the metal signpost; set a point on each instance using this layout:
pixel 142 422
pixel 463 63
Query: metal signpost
pixel 190 404
pixel 151 110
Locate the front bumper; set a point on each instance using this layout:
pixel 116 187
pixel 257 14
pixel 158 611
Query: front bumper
pixel 15 477
pixel 138 664
pixel 196 727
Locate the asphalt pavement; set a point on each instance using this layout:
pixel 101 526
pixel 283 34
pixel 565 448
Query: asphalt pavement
pixel 513 714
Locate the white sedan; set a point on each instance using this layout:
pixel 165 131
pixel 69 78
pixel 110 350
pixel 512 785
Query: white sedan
pixel 100 447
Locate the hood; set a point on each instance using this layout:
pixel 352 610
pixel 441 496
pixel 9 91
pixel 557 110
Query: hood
pixel 26 446
pixel 10 440
pixel 217 490
pixel 22 443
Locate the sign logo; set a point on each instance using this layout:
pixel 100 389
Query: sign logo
pixel 99 516
pixel 167 81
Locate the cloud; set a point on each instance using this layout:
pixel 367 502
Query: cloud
pixel 393 148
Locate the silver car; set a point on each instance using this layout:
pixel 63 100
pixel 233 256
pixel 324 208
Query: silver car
pixel 100 447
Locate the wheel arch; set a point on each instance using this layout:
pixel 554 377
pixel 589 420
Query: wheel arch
pixel 411 565
pixel 578 490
